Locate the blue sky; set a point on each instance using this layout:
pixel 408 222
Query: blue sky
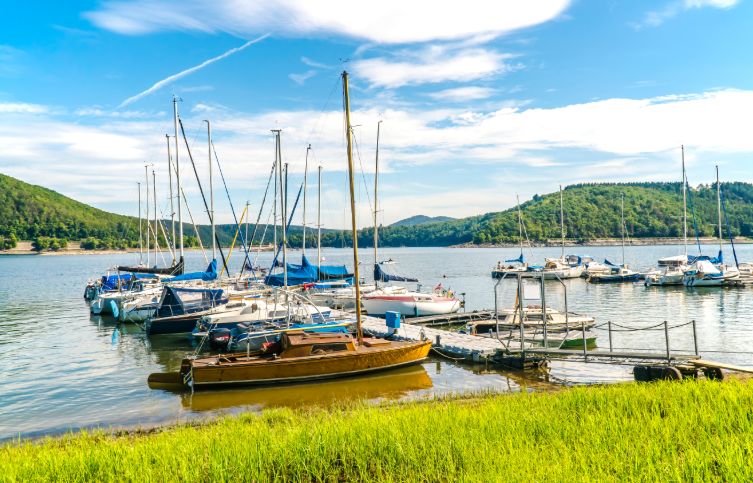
pixel 480 101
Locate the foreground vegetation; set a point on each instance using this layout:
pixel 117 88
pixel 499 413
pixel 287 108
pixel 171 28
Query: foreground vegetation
pixel 699 431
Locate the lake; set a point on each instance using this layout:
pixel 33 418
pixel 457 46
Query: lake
pixel 62 369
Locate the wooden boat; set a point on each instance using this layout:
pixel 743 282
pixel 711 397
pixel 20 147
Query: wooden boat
pixel 299 357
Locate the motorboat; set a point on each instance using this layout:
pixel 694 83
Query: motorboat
pixel 409 303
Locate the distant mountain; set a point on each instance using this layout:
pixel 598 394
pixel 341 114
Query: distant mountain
pixel 421 219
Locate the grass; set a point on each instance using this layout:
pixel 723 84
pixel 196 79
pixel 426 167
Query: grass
pixel 700 431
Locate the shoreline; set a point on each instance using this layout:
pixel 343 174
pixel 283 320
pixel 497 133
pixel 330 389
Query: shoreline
pixel 608 242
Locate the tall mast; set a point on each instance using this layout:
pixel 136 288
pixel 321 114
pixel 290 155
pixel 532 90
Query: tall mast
pixel 285 225
pixel 276 177
pixel 305 187
pixel 622 217
pixel 351 183
pixel 684 202
pixel 376 199
pixel 562 221
pixel 520 225
pixel 172 208
pixel 177 177
pixel 719 206
pixel 248 216
pixel 141 246
pixel 154 192
pixel 319 220
pixel 211 191
pixel 146 177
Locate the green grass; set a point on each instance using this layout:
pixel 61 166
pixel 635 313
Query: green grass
pixel 700 431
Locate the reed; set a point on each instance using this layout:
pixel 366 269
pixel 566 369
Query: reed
pixel 701 431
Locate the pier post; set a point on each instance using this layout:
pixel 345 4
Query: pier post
pixel 666 339
pixel 609 330
pixel 543 312
pixel 695 338
pixel 585 342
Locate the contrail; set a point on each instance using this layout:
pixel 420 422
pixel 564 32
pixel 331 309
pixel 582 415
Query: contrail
pixel 158 85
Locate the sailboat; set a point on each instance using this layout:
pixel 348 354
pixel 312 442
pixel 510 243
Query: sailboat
pixel 672 269
pixel 566 266
pixel 396 298
pixel 303 356
pixel 707 272
pixel 516 265
pixel 617 273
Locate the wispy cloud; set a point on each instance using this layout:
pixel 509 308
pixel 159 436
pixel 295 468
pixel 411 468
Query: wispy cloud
pixel 314 64
pixel 22 108
pixel 384 22
pixel 654 18
pixel 461 94
pixel 432 64
pixel 160 84
pixel 301 79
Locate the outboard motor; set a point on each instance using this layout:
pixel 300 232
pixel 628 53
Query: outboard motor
pixel 219 339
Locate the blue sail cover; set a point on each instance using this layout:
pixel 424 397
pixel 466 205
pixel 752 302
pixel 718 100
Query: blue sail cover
pixel 308 273
pixel 516 260
pixel 607 262
pixel 208 275
pixel 380 275
pixel 180 301
pixel 716 261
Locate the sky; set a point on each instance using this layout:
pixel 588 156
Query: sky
pixel 480 101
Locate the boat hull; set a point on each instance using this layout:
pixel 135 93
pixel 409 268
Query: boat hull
pixel 302 369
pixel 408 306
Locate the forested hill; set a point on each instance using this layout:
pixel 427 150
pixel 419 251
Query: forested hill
pixel 591 211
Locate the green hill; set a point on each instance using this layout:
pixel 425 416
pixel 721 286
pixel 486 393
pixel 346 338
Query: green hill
pixel 421 219
pixel 592 211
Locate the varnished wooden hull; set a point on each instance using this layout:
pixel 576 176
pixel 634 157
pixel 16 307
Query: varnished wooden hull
pixel 237 371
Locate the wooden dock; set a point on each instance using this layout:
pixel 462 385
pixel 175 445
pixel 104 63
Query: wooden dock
pixel 453 344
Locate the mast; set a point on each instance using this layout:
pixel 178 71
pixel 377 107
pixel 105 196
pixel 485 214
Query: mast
pixel 284 194
pixel 376 200
pixel 247 218
pixel 276 177
pixel 177 177
pixel 154 193
pixel 211 191
pixel 520 225
pixel 305 187
pixel 319 220
pixel 562 221
pixel 684 202
pixel 141 246
pixel 172 208
pixel 351 183
pixel 719 206
pixel 622 217
pixel 146 177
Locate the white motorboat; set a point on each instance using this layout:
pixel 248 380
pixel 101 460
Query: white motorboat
pixel 409 303
pixel 703 274
pixel 509 319
pixel 669 275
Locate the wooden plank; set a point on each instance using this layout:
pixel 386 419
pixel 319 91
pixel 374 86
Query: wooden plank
pixel 721 365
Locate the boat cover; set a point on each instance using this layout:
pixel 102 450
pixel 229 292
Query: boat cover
pixel 180 301
pixel 176 269
pixel 707 268
pixel 380 275
pixel 208 275
pixel 110 282
pixel 719 258
pixel 514 260
pixel 308 273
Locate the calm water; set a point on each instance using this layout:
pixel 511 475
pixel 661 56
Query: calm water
pixel 62 369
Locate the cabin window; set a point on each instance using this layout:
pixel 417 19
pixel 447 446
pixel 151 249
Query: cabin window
pixel 323 348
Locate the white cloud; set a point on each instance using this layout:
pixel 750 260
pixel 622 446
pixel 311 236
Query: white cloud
pixel 387 21
pixel 460 94
pixel 21 107
pixel 609 140
pixel 655 18
pixel 432 64
pixel 301 79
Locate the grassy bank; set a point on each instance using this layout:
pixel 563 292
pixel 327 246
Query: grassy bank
pixel 664 431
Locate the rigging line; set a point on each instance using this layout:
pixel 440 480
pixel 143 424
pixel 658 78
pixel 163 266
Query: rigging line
pixel 692 212
pixel 195 229
pixel 198 181
pixel 363 175
pixel 263 235
pixel 261 209
pixel 316 128
pixel 726 222
pixel 287 228
pixel 232 209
